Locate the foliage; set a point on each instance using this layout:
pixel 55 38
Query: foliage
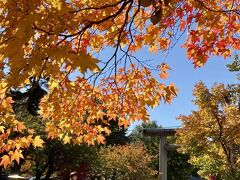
pixel 52 40
pixel 124 162
pixel 235 66
pixel 178 166
pixel 211 134
pixel 118 134
pixel 25 108
pixel 151 143
pixel 234 89
pixel 54 157
pixel 15 141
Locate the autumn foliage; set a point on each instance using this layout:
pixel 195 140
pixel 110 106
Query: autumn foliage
pixel 130 161
pixel 57 40
pixel 211 134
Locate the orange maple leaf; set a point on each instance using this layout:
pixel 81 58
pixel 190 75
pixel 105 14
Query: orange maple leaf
pixel 16 156
pixel 5 161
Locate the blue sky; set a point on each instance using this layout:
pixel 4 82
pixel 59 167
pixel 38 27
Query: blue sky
pixel 184 76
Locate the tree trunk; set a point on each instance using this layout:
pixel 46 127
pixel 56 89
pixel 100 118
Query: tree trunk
pixel 16 169
pixel 50 163
pixel 38 173
pixel 0 172
pixel 49 172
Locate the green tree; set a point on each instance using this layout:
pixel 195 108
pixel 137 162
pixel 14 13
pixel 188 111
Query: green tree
pixel 118 135
pixel 151 143
pixel 235 66
pixel 234 89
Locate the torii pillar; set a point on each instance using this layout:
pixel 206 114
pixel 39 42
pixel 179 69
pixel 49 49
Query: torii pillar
pixel 164 147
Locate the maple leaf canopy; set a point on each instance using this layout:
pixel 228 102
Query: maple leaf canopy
pixel 53 40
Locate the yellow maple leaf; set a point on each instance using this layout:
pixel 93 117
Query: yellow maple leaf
pixel 153 48
pixel 54 85
pixel 38 142
pixel 85 61
pixel 107 130
pixel 2 129
pixel 66 139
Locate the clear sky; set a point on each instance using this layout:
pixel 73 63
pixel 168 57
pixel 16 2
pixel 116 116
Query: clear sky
pixel 184 76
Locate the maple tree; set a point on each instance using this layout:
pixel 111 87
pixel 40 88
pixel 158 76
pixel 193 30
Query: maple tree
pixel 54 157
pixel 52 40
pixel 124 162
pixel 211 133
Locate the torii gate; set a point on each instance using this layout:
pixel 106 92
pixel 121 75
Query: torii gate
pixel 164 147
